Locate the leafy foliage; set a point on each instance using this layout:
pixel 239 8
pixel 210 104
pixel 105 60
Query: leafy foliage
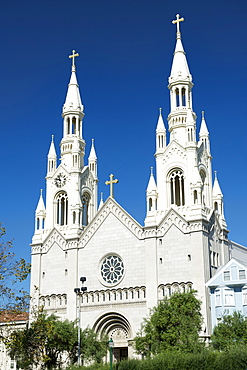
pixel 50 342
pixel 231 331
pixel 174 324
pixel 12 272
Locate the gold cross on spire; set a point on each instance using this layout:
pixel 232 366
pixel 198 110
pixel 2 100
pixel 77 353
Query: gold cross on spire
pixel 74 54
pixel 178 20
pixel 111 182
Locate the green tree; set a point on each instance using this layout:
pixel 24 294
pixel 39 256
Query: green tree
pixel 231 331
pixel 50 343
pixel 12 272
pixel 174 324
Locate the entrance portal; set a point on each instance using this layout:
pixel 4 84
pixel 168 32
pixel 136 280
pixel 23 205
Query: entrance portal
pixel 116 327
pixel 120 353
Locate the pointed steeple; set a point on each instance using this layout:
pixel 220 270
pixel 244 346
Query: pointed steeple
pixel 160 134
pixel 203 128
pixel 72 123
pixel 73 101
pixel 180 68
pixel 216 188
pixel 92 154
pixel 92 160
pixel 40 213
pixel 101 201
pixel 151 199
pixel 204 134
pixel 151 184
pixel 180 86
pixel 52 158
pixel 41 205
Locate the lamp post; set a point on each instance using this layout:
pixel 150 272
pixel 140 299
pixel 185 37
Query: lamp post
pixel 111 345
pixel 79 292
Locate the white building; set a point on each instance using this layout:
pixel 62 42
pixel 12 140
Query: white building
pixel 130 267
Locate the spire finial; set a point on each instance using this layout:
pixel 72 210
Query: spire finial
pixel 41 191
pixel 202 114
pixel 52 138
pixel 215 175
pixel 151 169
pixel 92 142
pixel 111 182
pixel 160 109
pixel 74 54
pixel 178 20
pixel 101 196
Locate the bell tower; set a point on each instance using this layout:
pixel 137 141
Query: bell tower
pixel 71 187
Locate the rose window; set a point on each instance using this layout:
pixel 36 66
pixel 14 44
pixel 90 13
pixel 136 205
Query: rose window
pixel 112 269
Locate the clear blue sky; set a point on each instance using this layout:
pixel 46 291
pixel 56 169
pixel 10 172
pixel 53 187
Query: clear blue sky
pixel 126 49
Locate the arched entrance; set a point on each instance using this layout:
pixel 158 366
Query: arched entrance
pixel 117 327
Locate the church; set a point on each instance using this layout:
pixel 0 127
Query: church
pixel 80 242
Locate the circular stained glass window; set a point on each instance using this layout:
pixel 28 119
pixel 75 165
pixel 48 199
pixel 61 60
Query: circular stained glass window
pixel 112 269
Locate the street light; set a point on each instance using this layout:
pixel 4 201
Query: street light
pixel 111 345
pixel 79 292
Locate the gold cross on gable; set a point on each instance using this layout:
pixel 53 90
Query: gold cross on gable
pixel 74 54
pixel 111 182
pixel 177 21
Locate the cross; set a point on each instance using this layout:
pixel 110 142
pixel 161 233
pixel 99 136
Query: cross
pixel 73 57
pixel 177 21
pixel 111 182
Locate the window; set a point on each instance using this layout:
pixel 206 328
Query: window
pixel 244 295
pixel 229 297
pixel 85 204
pixel 242 275
pixel 217 297
pixel 62 209
pixel 183 97
pixel 226 275
pixel 177 188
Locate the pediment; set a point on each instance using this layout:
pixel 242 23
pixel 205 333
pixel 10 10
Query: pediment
pixel 174 149
pixel 216 279
pixel 173 218
pixel 111 207
pixel 54 237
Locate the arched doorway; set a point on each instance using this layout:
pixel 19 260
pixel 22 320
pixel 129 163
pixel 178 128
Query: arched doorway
pixel 117 327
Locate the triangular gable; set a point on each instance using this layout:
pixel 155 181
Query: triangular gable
pixel 60 168
pixel 174 148
pixel 54 237
pixel 213 281
pixel 173 218
pixel 110 207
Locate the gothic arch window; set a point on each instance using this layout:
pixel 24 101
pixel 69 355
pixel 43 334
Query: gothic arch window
pixel 195 197
pixel 62 208
pixel 183 97
pixel 68 126
pixel 85 208
pixel 73 125
pixel 177 97
pixel 177 188
pixel 203 178
pixel 150 204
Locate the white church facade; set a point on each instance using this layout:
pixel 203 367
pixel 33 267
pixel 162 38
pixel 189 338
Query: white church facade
pixel 130 267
